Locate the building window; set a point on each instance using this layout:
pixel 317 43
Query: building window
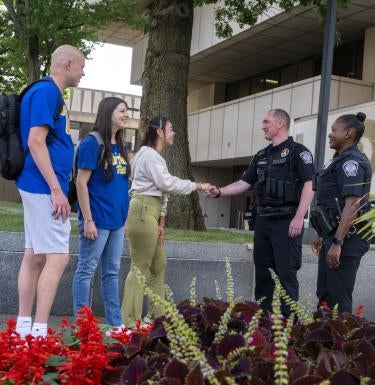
pixel 347 62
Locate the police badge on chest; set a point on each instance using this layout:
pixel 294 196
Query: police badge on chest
pixel 283 157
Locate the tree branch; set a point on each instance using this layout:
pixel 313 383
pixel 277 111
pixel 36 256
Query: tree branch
pixel 13 15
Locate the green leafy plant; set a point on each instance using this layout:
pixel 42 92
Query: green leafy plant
pixel 232 342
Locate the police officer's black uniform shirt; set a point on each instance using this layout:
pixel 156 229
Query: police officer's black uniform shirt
pixel 349 175
pixel 289 161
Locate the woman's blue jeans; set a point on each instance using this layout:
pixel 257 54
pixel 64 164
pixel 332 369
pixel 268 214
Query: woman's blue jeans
pixel 106 248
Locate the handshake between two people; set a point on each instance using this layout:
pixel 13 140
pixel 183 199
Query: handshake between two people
pixel 209 190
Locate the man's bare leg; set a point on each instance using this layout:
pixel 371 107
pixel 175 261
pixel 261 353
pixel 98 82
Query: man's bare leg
pixel 48 283
pixel 28 276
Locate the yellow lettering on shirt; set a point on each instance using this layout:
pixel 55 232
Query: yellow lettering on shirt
pixel 64 113
pixel 120 163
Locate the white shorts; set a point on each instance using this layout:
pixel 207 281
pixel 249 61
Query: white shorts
pixel 43 233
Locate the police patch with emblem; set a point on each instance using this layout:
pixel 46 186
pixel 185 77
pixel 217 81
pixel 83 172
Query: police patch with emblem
pixel 284 152
pixel 350 167
pixel 306 156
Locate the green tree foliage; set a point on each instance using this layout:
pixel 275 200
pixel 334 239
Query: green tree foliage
pixel 246 12
pixel 30 30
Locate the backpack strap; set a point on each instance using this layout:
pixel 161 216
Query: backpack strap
pixel 47 79
pixel 100 142
pixel 58 110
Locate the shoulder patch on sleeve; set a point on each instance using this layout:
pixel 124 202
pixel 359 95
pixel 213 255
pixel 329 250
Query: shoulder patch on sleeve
pixel 350 167
pixel 306 156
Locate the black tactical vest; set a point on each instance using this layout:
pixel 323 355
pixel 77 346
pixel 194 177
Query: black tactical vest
pixel 326 185
pixel 278 183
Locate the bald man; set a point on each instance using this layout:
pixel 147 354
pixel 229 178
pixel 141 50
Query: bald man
pixel 43 186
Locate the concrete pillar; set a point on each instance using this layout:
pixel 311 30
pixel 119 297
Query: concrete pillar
pixel 369 55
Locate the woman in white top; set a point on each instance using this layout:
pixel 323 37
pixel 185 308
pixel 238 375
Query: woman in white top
pixel 151 185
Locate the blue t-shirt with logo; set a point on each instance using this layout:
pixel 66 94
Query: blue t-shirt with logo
pixel 40 106
pixel 109 200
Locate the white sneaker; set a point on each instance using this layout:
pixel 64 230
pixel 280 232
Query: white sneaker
pixel 147 320
pixel 117 330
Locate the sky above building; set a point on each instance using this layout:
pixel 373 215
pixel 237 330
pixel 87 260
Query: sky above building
pixel 108 69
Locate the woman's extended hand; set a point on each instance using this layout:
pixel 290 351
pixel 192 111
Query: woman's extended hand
pixel 203 186
pixel 90 231
pixel 316 245
pixel 161 235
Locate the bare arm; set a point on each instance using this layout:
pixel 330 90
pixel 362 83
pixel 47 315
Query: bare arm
pixel 349 213
pixel 234 188
pixel 83 177
pixel 39 151
pixel 296 225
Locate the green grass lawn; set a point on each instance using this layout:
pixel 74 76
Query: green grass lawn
pixel 11 219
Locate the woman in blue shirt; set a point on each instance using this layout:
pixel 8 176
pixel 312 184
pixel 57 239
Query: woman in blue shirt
pixel 102 189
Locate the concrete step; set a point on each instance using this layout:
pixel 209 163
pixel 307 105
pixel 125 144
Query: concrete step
pixel 185 260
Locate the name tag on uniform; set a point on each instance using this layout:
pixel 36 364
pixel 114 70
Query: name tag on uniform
pixel 278 161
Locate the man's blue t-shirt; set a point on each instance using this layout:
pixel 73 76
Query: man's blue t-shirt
pixel 109 200
pixel 40 107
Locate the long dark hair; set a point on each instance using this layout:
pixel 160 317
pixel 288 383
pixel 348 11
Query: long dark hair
pixel 354 121
pixel 150 129
pixel 103 124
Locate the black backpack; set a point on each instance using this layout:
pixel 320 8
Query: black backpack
pixel 12 154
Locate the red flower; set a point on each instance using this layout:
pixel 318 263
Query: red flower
pixel 359 311
pixel 324 305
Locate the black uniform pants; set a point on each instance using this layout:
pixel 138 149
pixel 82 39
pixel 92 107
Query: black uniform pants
pixel 273 248
pixel 336 285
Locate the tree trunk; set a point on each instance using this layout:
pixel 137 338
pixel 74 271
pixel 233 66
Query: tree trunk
pixel 32 59
pixel 164 82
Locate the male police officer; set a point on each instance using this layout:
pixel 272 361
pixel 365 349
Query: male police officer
pixel 281 175
pixel 342 194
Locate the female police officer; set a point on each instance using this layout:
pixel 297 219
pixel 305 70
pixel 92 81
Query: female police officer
pixel 342 192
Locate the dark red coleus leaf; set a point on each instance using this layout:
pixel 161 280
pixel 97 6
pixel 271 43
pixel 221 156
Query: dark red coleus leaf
pixel 169 381
pixel 216 302
pixel 133 346
pixel 158 330
pixel 365 354
pixel 162 348
pixel 212 314
pixel 176 369
pixel 229 343
pixel 207 338
pixel 187 310
pixel 292 356
pixel 258 339
pixel 266 352
pixel 113 376
pixel 134 371
pixel 238 325
pixel 318 335
pixel 195 377
pixel 297 370
pixel 367 332
pixel 262 372
pixel 243 367
pixel 329 362
pixel 338 327
pixel 212 358
pixel 309 380
pixel 158 362
pixel 342 377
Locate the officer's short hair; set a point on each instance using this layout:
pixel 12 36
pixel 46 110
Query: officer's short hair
pixel 354 121
pixel 281 114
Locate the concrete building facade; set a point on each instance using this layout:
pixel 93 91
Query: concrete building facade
pixel 275 64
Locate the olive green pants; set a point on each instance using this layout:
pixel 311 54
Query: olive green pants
pixel 145 254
